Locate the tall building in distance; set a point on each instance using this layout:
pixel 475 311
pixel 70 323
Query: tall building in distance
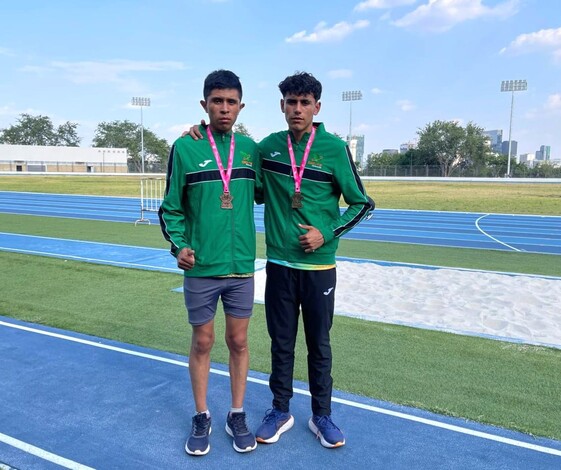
pixel 496 140
pixel 356 146
pixel 544 153
pixel 513 148
pixel 527 158
pixel 406 146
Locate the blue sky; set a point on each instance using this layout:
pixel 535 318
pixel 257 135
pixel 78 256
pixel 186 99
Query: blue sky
pixel 415 61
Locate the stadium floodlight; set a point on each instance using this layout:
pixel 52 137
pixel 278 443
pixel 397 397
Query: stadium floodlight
pixel 138 101
pixel 512 86
pixel 351 96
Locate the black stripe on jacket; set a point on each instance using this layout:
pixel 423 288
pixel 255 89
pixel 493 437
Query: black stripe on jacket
pixel 214 175
pixel 286 169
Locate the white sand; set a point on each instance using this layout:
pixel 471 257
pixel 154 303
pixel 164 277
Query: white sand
pixel 514 307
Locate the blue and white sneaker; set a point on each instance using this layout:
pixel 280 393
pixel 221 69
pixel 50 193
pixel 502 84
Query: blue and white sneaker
pixel 244 440
pixel 198 442
pixel 327 432
pixel 274 424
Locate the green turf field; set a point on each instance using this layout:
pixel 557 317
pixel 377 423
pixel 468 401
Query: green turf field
pixel 505 384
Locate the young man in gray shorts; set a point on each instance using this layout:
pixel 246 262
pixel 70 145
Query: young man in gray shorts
pixel 207 216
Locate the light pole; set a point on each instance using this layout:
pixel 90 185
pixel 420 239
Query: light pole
pixel 512 86
pixel 351 96
pixel 137 101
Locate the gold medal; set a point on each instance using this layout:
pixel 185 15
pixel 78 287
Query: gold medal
pixel 297 199
pixel 226 199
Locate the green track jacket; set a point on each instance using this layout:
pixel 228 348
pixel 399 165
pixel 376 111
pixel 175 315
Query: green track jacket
pixel 329 173
pixel 191 216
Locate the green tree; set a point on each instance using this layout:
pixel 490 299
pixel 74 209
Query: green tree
pixel 496 165
pixel 453 146
pixel 474 150
pixel 442 140
pixel 545 169
pixel 377 163
pixel 126 134
pixel 68 135
pixel 240 128
pixel 39 130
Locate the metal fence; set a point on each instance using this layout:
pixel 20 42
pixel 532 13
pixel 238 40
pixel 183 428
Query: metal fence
pixel 435 171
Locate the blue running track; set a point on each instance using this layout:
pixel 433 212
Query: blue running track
pixel 74 401
pixel 526 233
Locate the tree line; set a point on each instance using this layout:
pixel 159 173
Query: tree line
pixel 39 130
pixel 445 148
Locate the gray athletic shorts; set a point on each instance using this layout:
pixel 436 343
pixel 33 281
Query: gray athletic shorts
pixel 202 293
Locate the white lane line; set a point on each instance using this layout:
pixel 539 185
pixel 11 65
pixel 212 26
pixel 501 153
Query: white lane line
pixel 375 409
pixel 451 427
pixel 491 237
pixel 121 350
pixel 43 454
pixel 107 262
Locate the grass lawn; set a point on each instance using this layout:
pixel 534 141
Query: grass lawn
pixel 505 384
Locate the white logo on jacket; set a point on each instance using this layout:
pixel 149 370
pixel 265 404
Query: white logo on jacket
pixel 275 154
pixel 205 163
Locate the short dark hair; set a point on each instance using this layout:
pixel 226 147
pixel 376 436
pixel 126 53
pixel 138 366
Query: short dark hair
pixel 301 83
pixel 220 80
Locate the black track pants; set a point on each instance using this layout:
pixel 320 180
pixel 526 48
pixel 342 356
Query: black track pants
pixel 286 291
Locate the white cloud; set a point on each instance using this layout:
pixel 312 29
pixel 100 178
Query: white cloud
pixel 324 34
pixel 37 69
pixel 542 40
pixel 405 105
pixel 380 4
pixel 178 129
pixel 375 91
pixel 7 52
pixel 113 71
pixel 441 15
pixel 340 73
pixel 363 128
pixel 554 102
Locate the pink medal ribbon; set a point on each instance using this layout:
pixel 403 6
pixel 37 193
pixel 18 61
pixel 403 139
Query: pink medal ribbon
pixel 226 175
pixel 299 172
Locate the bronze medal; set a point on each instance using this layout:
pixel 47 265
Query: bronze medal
pixel 298 172
pixel 226 199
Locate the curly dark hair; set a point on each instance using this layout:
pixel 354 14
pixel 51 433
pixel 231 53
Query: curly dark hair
pixel 220 80
pixel 301 83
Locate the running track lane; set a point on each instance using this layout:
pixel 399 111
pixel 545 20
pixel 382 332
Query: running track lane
pixel 525 233
pixel 86 402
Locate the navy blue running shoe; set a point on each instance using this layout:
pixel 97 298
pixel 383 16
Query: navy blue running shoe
pixel 327 432
pixel 198 442
pixel 236 426
pixel 274 424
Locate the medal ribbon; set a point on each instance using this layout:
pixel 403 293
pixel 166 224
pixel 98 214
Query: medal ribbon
pixel 299 172
pixel 224 174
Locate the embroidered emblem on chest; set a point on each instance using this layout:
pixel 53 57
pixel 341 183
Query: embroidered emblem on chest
pixel 316 160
